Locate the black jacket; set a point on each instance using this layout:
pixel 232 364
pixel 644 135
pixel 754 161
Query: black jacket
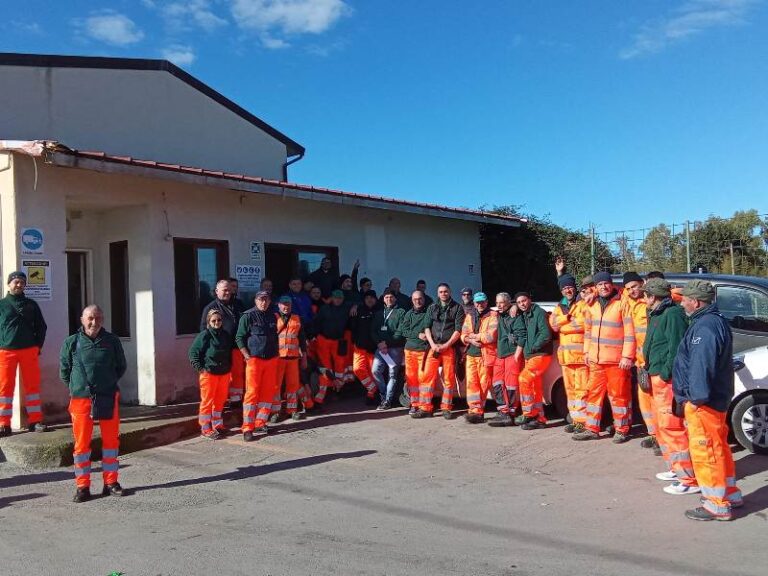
pixel 230 315
pixel 257 332
pixel 446 320
pixel 361 328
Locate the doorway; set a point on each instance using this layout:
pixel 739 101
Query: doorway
pixel 283 261
pixel 78 286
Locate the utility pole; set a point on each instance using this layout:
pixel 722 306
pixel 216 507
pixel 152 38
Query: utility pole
pixel 592 247
pixel 688 245
pixel 733 268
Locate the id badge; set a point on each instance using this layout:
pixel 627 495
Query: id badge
pixel 383 328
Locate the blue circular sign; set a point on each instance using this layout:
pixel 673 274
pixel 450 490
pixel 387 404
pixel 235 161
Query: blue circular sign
pixel 32 239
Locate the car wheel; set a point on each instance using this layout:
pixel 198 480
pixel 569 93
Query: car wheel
pixel 749 422
pixel 559 399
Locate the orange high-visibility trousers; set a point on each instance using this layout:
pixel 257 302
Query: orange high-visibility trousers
pixel 362 362
pixel 416 378
pixel 333 365
pixel 237 377
pixel 446 361
pixel 260 384
pixel 479 378
pixel 671 433
pixel 576 380
pixel 506 374
pixel 645 401
pixel 712 459
pixel 610 379
pixel 213 393
pixel 288 373
pixel 27 360
pixel 349 358
pixel 531 387
pixel 82 429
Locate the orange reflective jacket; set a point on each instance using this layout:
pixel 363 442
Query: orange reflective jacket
pixel 488 331
pixel 569 323
pixel 638 311
pixel 288 336
pixel 609 334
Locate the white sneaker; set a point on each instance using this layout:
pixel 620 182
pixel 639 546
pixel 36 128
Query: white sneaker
pixel 667 476
pixel 679 489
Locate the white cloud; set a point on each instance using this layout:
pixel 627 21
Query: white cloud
pixel 180 15
pixel 111 27
pixel 691 18
pixel 271 19
pixel 179 55
pixel 27 27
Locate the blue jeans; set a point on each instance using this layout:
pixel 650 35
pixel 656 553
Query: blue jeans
pixel 387 378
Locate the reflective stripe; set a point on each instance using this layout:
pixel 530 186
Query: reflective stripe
pixel 710 492
pixel 612 324
pixel 33 409
pixel 593 421
pixel 248 419
pixel 32 397
pixel 710 506
pixel 730 481
pixel 262 405
pixel 6 412
pixel 6 399
pixel 571 347
pixel 249 407
pixel 110 453
pixel 684 473
pixel 610 341
pixel 110 466
pixel 620 410
pixel 204 417
pixel 679 457
pixel 640 329
pixel 82 471
pixel 80 458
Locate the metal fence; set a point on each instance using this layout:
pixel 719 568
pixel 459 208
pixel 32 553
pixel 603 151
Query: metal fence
pixel 737 245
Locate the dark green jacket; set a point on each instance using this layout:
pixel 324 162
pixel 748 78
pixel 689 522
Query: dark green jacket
pixel 101 363
pixel 414 323
pixel 384 326
pixel 511 334
pixel 212 351
pixel 538 337
pixel 331 321
pixel 666 326
pixel 21 323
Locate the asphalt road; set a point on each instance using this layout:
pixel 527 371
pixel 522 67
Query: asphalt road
pixel 379 493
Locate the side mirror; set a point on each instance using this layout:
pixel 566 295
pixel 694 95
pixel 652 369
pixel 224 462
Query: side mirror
pixel 738 363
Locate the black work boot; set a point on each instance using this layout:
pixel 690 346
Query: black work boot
pixel 112 490
pixel 474 418
pixel 248 436
pixel 501 419
pixel 5 431
pixel 82 495
pixel 38 427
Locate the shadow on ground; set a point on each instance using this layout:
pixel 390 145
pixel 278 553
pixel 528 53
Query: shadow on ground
pixel 255 470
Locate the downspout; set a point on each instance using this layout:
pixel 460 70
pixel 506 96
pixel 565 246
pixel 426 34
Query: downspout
pixel 288 163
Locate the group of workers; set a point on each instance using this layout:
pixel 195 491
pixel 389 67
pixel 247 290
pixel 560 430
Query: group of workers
pixel 674 342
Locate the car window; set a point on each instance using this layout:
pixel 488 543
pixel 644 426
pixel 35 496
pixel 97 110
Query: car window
pixel 746 309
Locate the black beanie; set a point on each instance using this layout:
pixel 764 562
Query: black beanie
pixel 566 280
pixel 631 277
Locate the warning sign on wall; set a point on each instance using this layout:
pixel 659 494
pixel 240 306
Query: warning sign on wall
pixel 38 279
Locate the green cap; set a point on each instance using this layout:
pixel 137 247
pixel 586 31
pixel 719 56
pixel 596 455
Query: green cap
pixel 337 294
pixel 657 287
pixel 587 281
pixel 699 289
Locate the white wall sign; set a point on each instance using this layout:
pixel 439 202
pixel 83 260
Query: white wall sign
pixel 257 252
pixel 248 277
pixel 38 279
pixel 32 241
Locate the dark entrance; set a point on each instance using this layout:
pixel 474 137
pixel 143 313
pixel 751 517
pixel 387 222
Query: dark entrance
pixel 285 260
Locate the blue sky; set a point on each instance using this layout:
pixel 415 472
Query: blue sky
pixel 624 114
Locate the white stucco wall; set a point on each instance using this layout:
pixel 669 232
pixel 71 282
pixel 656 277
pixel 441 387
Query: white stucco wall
pixel 117 207
pixel 149 115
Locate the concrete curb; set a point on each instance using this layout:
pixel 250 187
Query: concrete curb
pixel 54 449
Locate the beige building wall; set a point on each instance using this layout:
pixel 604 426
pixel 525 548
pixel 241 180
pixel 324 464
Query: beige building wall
pixel 102 208
pixel 147 114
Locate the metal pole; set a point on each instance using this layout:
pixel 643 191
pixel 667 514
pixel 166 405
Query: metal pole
pixel 688 245
pixel 592 248
pixel 733 268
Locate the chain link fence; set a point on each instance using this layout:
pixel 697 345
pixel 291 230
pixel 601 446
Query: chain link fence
pixel 736 245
